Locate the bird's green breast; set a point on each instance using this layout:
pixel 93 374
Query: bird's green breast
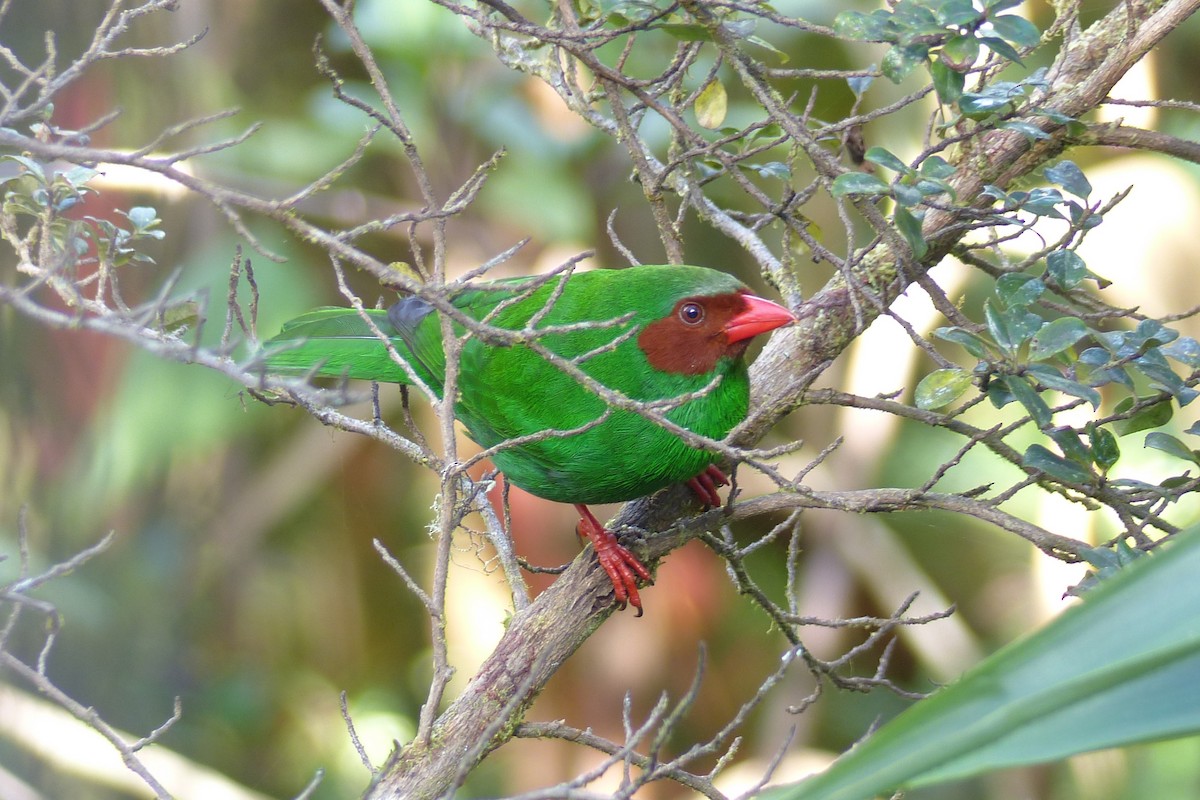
pixel 511 392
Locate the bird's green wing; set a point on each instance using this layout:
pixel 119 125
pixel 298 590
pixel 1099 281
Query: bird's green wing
pixel 338 342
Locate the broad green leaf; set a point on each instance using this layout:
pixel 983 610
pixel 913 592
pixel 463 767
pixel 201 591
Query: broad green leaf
pixel 947 81
pixel 1016 29
pixel 906 195
pixel 1001 48
pixel 1011 327
pixel 965 339
pixel 1054 465
pixel 1066 267
pixel 1052 379
pixel 936 167
pixel 976 105
pixel 858 26
pixel 1154 416
pixel 1027 129
pixel 909 226
pixel 712 104
pixel 1069 441
pixel 1019 289
pixel 686 32
pixel 1117 669
pixel 1055 337
pixel 1105 450
pixel 1069 176
pixel 1186 350
pixel 899 62
pixel 1167 443
pixel 886 158
pixel 961 52
pixel 957 13
pixel 942 387
pixel 858 183
pixel 1027 396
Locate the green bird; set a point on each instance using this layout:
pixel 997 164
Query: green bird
pixel 671 336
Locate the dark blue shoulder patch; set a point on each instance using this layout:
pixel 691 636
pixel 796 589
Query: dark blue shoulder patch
pixel 407 314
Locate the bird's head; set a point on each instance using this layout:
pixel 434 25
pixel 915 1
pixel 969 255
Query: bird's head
pixel 702 329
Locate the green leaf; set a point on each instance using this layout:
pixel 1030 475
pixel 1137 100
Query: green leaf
pixel 961 52
pixel 1105 450
pixel 686 32
pixel 858 183
pixel 899 62
pixel 1069 176
pixel 1055 466
pixel 1027 129
pixel 937 168
pixel 1019 289
pixel 886 158
pixel 1016 29
pixel 858 26
pixel 1027 396
pixel 712 104
pixel 1117 669
pixel 942 387
pixel 1066 267
pixel 947 81
pixel 1153 416
pixel 907 196
pixel 979 105
pixel 909 225
pixel 1051 379
pixel 1011 327
pixel 1001 48
pixel 1055 337
pixel 957 14
pixel 1167 443
pixel 965 339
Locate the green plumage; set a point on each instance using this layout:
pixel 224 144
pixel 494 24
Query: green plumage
pixel 508 392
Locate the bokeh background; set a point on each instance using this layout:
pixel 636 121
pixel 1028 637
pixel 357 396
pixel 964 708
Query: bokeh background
pixel 243 578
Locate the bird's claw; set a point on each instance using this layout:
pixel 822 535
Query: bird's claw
pixel 705 485
pixel 622 567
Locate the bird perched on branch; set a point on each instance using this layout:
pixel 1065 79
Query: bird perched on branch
pixel 562 374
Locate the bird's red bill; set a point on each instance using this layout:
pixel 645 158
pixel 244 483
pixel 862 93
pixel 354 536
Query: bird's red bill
pixel 759 316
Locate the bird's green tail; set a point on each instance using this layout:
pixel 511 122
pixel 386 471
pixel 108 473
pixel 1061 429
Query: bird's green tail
pixel 336 342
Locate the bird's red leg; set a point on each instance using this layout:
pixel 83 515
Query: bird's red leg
pixel 622 566
pixel 705 485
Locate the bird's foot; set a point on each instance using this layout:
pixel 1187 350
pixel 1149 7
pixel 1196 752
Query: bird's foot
pixel 705 485
pixel 623 567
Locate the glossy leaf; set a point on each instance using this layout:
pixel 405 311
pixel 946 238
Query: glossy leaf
pixel 858 183
pixel 712 104
pixel 942 387
pixel 1169 444
pixel 1027 396
pixel 1055 466
pixel 1153 416
pixel 947 81
pixel 1055 337
pixel 1066 267
pixel 1019 289
pixel 1016 29
pixel 965 339
pixel 909 225
pixel 886 158
pixel 1070 177
pixel 1117 669
pixel 1105 450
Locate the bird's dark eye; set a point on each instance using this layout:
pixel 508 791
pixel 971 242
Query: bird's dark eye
pixel 691 313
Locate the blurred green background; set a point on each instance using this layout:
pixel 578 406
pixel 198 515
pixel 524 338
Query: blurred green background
pixel 243 578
